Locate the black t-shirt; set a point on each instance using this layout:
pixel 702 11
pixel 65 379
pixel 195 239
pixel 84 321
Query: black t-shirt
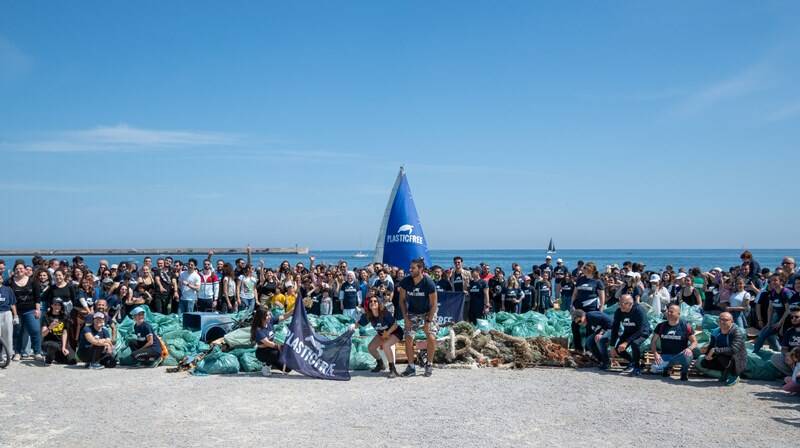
pixel 443 285
pixel 791 338
pixel 458 281
pixel 65 293
pixel 26 299
pixel 141 332
pixel 165 277
pixel 674 338
pixel 495 288
pixel 268 288
pixel 476 288
pixel 588 293
pixel 381 323
pixel 417 301
pixel 512 294
pixel 566 288
pixel 62 324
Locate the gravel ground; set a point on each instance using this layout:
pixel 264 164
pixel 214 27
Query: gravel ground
pixel 456 407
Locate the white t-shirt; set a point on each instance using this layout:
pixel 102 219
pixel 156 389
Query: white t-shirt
pixel 193 278
pixel 248 288
pixel 737 298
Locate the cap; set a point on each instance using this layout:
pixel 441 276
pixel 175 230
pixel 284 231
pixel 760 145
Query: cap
pixel 137 310
pixel 680 275
pixel 99 315
pixel 57 300
pixel 114 266
pixel 559 261
pixel 630 274
pixel 717 269
pixel 548 257
pixel 655 278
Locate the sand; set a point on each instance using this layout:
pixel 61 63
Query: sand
pixel 71 406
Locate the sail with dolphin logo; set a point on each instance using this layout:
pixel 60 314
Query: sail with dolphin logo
pixel 400 238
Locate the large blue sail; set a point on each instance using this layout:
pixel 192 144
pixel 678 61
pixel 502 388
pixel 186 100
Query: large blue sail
pixel 401 238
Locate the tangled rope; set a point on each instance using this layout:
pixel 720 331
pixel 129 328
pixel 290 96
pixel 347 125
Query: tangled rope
pixel 498 349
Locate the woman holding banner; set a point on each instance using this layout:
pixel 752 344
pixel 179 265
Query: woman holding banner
pixel 262 333
pixel 388 335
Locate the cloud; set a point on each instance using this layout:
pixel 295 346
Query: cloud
pixel 787 111
pixel 755 78
pixel 13 62
pixel 122 138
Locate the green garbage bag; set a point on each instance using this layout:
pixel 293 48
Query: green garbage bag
pixel 218 363
pixel 759 367
pixel 247 359
pixel 710 322
pixel 483 325
pixel 692 315
pixel 360 359
pixel 334 325
pixel 239 338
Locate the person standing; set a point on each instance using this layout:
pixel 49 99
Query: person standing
pixel 459 277
pixel 27 310
pixel 418 303
pixel 350 296
pixel 479 303
pixel 8 318
pixel 189 282
pixel 209 288
pixel 738 303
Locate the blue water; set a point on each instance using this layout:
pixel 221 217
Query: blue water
pixel 655 259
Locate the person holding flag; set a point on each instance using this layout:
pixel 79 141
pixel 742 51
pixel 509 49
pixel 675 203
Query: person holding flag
pixel 262 333
pixel 418 303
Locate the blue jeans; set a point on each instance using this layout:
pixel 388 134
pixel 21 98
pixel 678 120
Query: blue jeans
pixel 247 304
pixel 186 306
pixel 566 303
pixel 30 324
pixel 738 319
pixel 768 334
pixel 599 349
pixel 681 359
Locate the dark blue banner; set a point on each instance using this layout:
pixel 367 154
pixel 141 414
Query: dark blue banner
pixel 451 307
pixel 404 239
pixel 314 355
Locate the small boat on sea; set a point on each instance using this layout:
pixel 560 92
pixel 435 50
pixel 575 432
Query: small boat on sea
pixel 359 254
pixel 551 248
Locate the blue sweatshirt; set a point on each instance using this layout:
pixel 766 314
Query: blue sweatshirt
pixel 634 325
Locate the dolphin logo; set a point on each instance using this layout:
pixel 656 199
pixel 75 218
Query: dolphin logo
pixel 313 342
pixel 406 228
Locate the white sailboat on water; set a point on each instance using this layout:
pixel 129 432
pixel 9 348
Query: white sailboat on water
pixel 551 248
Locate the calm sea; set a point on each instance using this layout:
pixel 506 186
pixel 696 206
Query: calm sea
pixel 655 259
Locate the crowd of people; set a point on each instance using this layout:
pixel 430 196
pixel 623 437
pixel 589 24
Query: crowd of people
pixel 62 312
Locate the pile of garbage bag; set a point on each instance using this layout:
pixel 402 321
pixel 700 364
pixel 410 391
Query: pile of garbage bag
pixel 237 353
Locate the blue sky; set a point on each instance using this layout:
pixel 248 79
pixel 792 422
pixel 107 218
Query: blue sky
pixel 624 125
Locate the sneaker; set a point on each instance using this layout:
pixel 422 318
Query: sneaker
pixel 732 381
pixel 266 371
pixel 628 369
pixel 684 377
pixel 16 357
pixel 428 370
pixel 96 366
pixel 636 371
pixel 378 367
pixel 38 357
pixel 410 370
pixel 392 371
